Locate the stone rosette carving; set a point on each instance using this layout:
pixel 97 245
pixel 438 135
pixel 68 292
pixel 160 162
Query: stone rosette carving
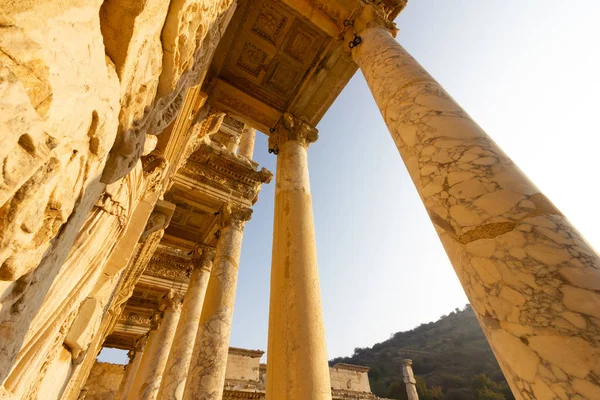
pixel 290 128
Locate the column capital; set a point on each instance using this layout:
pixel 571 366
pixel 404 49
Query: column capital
pixel 155 321
pixel 234 217
pixel 140 343
pixel 373 15
pixel 248 129
pixel 202 257
pixel 290 128
pixel 171 300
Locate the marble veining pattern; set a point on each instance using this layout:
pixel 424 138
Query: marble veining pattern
pixel 206 375
pixel 531 278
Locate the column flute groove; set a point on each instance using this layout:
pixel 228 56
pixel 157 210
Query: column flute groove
pixel 532 279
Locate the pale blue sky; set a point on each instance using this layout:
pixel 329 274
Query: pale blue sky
pixel 527 71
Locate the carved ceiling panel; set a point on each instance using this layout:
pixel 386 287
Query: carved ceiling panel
pixel 275 48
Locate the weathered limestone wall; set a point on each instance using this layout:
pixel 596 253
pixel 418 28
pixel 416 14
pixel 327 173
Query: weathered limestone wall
pixel 349 377
pixel 242 365
pixel 77 101
pixel 104 381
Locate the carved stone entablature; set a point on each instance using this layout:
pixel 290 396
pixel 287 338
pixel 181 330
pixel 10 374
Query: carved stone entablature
pixel 178 272
pixel 170 263
pixel 232 123
pixel 225 172
pixel 290 128
pixel 133 318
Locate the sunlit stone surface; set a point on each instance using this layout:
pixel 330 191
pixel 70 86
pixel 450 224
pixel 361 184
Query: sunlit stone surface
pixel 128 131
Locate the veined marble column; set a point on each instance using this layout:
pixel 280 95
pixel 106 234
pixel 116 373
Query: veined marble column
pixel 206 375
pixel 532 279
pixel 135 358
pixel 246 148
pixel 297 367
pixel 409 380
pixel 176 371
pixel 148 379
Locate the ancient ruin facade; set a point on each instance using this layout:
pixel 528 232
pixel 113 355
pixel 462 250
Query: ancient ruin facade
pixel 245 378
pixel 127 180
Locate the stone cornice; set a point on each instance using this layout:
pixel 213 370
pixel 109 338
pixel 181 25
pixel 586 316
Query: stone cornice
pixel 290 128
pixel 169 263
pixel 246 352
pixel 351 367
pixel 224 171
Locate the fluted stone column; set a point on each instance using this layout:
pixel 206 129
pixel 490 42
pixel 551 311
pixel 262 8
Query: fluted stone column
pixel 409 380
pixel 149 377
pixel 176 371
pixel 297 367
pixel 532 279
pixel 206 375
pixel 246 148
pixel 135 358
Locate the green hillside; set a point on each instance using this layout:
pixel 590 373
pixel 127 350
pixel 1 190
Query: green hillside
pixel 451 360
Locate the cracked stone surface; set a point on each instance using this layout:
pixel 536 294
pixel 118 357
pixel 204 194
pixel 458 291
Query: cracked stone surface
pixel 531 278
pixel 176 371
pixel 206 375
pixel 297 367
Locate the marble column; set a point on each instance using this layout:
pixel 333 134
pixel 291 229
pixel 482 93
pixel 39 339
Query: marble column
pixel 206 375
pixel 531 278
pixel 148 379
pixel 409 380
pixel 176 371
pixel 135 358
pixel 246 148
pixel 297 367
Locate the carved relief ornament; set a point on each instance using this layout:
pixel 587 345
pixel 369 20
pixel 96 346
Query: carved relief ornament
pixel 375 14
pixel 171 300
pixel 290 128
pixel 202 257
pixel 232 217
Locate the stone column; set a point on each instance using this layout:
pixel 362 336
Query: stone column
pixel 206 375
pixel 532 279
pixel 297 367
pixel 233 143
pixel 246 148
pixel 176 371
pixel 148 379
pixel 409 380
pixel 135 358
